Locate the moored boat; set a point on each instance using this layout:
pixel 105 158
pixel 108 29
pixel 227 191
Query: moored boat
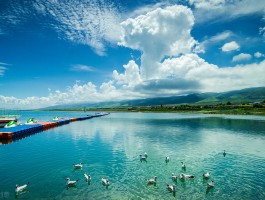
pixel 11 124
pixel 5 119
pixel 31 121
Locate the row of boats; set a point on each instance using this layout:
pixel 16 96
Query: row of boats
pixel 12 121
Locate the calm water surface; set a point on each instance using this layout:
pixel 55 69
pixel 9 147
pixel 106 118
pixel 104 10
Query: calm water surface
pixel 110 146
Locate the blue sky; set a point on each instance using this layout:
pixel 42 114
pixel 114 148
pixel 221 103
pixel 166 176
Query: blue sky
pixel 59 52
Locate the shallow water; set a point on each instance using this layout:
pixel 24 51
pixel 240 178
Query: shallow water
pixel 110 146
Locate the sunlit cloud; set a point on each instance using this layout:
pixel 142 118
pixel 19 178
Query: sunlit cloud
pixel 89 22
pixel 168 64
pixel 159 33
pixel 231 46
pixel 241 57
pixel 94 23
pixel 201 48
pixel 259 55
pixel 214 10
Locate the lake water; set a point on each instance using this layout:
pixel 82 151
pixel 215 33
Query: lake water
pixel 110 146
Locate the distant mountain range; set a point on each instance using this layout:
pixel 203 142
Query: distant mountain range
pixel 238 96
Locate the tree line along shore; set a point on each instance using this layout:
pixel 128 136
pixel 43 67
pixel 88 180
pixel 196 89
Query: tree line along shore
pixel 257 108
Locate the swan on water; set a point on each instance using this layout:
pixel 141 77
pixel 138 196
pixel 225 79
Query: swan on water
pixel 78 166
pixel 152 180
pixel 182 176
pixel 70 183
pixel 183 165
pixel 87 177
pixel 206 175
pixel 105 181
pixel 171 188
pixel 143 158
pixel 22 187
pixel 210 185
pixel 174 177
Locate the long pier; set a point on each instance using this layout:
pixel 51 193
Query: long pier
pixel 20 131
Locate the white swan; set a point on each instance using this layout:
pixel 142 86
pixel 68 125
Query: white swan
pixel 70 183
pixel 167 159
pixel 152 180
pixel 87 177
pixel 206 175
pixel 21 188
pixel 211 184
pixel 105 181
pixel 182 176
pixel 174 177
pixel 78 166
pixel 183 165
pixel 143 158
pixel 171 188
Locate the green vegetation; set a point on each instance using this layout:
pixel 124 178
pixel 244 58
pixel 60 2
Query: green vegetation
pixel 225 108
pixel 248 101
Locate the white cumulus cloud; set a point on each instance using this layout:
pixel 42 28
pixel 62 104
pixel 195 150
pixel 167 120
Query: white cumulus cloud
pixel 159 33
pixel 168 66
pixel 201 48
pixel 208 77
pixel 231 46
pixel 131 75
pixel 241 57
pixel 259 55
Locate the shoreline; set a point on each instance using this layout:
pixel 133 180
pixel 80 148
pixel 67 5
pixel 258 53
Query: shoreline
pixel 235 110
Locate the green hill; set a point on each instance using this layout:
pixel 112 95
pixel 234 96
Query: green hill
pixel 249 95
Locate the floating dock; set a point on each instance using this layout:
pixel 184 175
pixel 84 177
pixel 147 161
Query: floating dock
pixel 20 131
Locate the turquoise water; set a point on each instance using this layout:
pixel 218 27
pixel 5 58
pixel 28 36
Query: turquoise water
pixel 110 146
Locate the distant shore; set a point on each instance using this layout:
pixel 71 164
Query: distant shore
pixel 231 109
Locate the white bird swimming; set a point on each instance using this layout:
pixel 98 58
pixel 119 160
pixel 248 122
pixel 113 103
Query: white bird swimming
pixel 87 177
pixel 21 188
pixel 105 181
pixel 171 188
pixel 70 183
pixel 174 177
pixel 210 185
pixel 152 180
pixel 182 176
pixel 183 165
pixel 206 175
pixel 167 159
pixel 78 166
pixel 143 158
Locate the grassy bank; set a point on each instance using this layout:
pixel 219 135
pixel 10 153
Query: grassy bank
pixel 233 109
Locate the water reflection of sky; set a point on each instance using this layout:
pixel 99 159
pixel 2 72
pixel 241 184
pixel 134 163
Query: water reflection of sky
pixel 110 146
pixel 134 133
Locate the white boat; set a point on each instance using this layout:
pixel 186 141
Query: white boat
pixel 5 119
pixel 31 121
pixel 11 124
